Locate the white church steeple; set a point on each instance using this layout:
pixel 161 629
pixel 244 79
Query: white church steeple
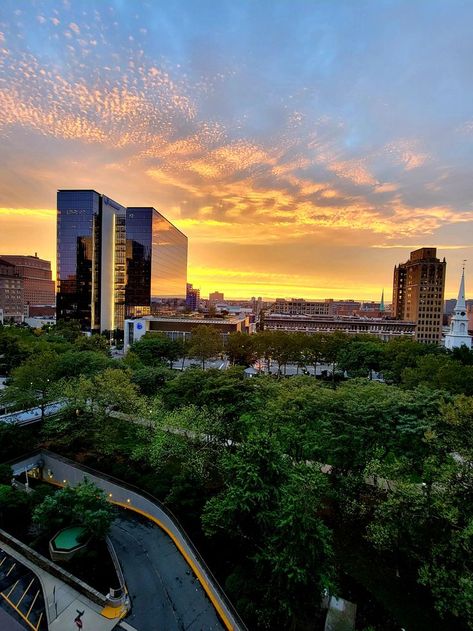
pixel 458 334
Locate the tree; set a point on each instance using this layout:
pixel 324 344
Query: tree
pixel 270 510
pixel 111 389
pixel 95 342
pixel 84 505
pixel 69 330
pixel 150 379
pixel 206 342
pixel 360 357
pixel 12 352
pixel 33 380
pixel 441 372
pixel 194 437
pixel 240 349
pixel 156 348
pixel 427 530
pixel 313 349
pixel 265 345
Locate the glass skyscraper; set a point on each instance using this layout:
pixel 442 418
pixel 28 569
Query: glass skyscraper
pixel 112 260
pixel 91 244
pixel 156 253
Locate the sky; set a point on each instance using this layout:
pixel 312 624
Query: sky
pixel 304 146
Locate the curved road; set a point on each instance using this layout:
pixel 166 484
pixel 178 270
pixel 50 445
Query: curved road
pixel 165 594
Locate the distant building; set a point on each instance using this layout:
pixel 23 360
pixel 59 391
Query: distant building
pixel 216 296
pixel 38 284
pixel 299 306
pixel 418 292
pixel 11 293
pixel 458 333
pixel 39 322
pixel 257 304
pixel 181 327
pixel 353 325
pixel 111 259
pixel 192 298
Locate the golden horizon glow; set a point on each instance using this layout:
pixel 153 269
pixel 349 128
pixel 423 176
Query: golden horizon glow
pixel 297 169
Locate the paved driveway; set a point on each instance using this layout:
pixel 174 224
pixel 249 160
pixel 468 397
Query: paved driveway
pixel 165 595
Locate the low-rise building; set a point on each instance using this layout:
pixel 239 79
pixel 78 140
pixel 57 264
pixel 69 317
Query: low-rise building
pixel 181 327
pixel 38 284
pixel 11 293
pixel 299 306
pixel 383 328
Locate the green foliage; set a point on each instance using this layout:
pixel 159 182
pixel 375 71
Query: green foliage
pixel 155 349
pixel 194 437
pixel 5 474
pixel 360 357
pixel 441 372
pixel 84 505
pixel 206 342
pixel 12 351
pixel 150 379
pixel 254 452
pixel 428 528
pixel 240 349
pixel 97 343
pixel 271 511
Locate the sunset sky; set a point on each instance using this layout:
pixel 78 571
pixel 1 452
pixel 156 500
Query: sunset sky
pixel 304 146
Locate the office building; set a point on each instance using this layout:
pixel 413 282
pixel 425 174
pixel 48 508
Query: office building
pixel 192 298
pixel 299 306
pixel 458 333
pixel 38 284
pixel 181 327
pixel 91 250
pixel 216 296
pixel 113 260
pixel 382 328
pixel 11 294
pixel 156 260
pixel 418 293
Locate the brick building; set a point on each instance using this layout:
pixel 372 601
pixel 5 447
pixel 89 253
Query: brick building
pixel 418 293
pixel 38 285
pixel 11 293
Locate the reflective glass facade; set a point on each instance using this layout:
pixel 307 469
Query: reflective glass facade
pixel 78 252
pixel 138 259
pixel 112 260
pixel 156 260
pixel 91 244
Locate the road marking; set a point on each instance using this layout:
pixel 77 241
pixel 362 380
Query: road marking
pixel 32 604
pixel 8 595
pixel 20 613
pixel 9 571
pixel 39 621
pixel 24 593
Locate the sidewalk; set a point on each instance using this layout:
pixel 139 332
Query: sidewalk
pixel 63 602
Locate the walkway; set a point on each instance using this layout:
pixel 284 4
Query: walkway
pixel 46 592
pixel 165 593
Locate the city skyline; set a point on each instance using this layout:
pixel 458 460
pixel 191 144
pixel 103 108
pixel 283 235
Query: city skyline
pixel 304 149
